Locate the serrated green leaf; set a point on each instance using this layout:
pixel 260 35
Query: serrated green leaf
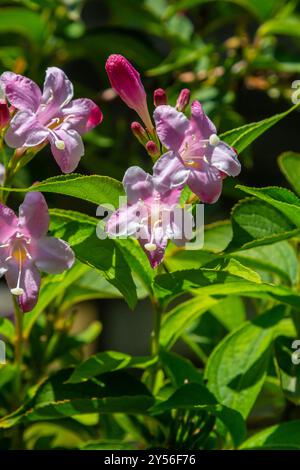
pixel 281 436
pixel 237 367
pixel 289 163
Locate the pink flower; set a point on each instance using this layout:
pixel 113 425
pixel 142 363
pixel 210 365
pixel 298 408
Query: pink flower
pixel 202 160
pixel 25 249
pixel 125 80
pixel 49 116
pixel 151 214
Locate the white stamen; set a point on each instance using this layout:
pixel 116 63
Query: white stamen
pixel 59 144
pixel 17 291
pixel 150 246
pixel 6 245
pixel 214 140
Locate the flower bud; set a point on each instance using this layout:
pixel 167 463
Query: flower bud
pixel 4 114
pixel 125 80
pixel 160 97
pixel 152 149
pixel 183 99
pixel 139 132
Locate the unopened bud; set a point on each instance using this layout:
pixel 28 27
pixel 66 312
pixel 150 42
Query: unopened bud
pixel 152 149
pixel 183 99
pixel 160 97
pixel 139 132
pixel 4 114
pixel 125 80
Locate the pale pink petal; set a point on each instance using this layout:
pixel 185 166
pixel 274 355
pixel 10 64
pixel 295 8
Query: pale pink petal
pixel 83 114
pixel 138 184
pixel 8 223
pixel 200 124
pixel 52 255
pixel 29 281
pixel 25 131
pixel 33 215
pixel 206 184
pixel 68 156
pixel 21 92
pixel 225 159
pixel 169 172
pixel 171 126
pixel 58 90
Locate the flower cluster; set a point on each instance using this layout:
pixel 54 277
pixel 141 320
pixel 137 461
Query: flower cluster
pixel 29 119
pixel 187 152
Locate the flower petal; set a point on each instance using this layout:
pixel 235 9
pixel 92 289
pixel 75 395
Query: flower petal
pixel 25 131
pixel 125 222
pixel 69 156
pixel 29 281
pixel 22 92
pixel 225 159
pixel 171 126
pixel 138 184
pixel 159 238
pixel 33 215
pixel 206 184
pixel 8 223
pixel 169 172
pixel 200 124
pixel 58 90
pixel 83 114
pixel 52 255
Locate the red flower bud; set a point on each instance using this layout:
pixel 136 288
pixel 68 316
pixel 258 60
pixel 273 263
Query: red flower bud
pixel 125 80
pixel 4 114
pixel 160 97
pixel 139 132
pixel 152 149
pixel 183 99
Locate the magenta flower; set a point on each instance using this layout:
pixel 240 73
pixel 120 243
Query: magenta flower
pixel 202 159
pixel 25 249
pixel 125 80
pixel 4 113
pixel 152 214
pixel 49 116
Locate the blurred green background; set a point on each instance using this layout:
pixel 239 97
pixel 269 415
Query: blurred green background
pixel 238 57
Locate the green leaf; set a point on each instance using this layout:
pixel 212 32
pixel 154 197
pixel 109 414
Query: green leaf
pixel 241 137
pixel 176 321
pixel 116 392
pixel 208 282
pixel 289 163
pixel 7 328
pixel 289 26
pixel 237 368
pixel 52 286
pixel 25 22
pixel 194 396
pixel 96 189
pixel 179 369
pixel 281 436
pixel 279 258
pixel 107 361
pixel 230 312
pixel 288 371
pixel 280 198
pixel 256 223
pixel 107 444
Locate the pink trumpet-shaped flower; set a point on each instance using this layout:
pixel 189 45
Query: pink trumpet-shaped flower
pixel 202 160
pixel 152 214
pixel 26 250
pixel 49 116
pixel 125 80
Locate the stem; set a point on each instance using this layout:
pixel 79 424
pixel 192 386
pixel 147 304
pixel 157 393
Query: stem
pixel 155 340
pixel 18 349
